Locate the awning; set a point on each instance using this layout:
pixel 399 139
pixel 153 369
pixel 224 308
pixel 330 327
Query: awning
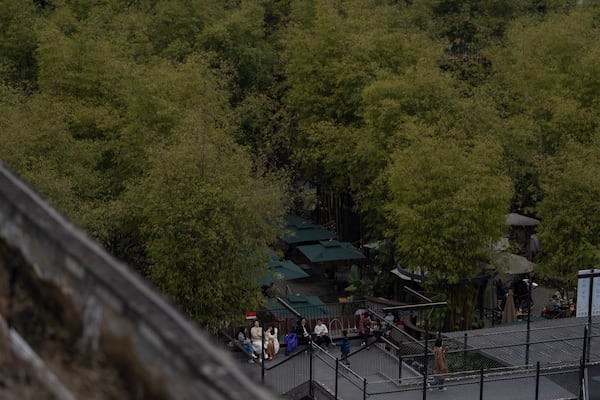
pixel 331 250
pixel 514 219
pixel 308 306
pixel 299 230
pixel 281 270
pixel 408 276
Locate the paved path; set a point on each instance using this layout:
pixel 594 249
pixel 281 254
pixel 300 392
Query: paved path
pixel 350 384
pixel 563 339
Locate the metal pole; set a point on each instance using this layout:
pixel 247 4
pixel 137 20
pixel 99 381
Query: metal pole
pixel 587 357
pixel 364 388
pixel 528 322
pixel 425 359
pixel 400 361
pixel 399 367
pixel 582 363
pixel 262 352
pixel 537 381
pixel 465 353
pixel 310 370
pixel 481 385
pixel 337 369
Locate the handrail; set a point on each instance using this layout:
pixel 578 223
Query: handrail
pixel 394 327
pixel 288 358
pixel 235 342
pixel 503 332
pixel 509 345
pixel 387 341
pixel 289 308
pixel 323 350
pixel 341 365
pixel 334 320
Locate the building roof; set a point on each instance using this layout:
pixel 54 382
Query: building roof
pixel 303 231
pixel 311 306
pixel 331 250
pixel 281 270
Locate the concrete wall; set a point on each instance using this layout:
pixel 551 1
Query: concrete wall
pixel 103 308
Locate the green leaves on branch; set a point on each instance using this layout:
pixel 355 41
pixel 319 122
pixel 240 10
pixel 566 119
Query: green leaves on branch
pixel 447 204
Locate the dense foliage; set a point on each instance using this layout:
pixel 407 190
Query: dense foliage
pixel 169 129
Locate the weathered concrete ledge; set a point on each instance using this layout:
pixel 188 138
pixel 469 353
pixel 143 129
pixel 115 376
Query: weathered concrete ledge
pixel 106 308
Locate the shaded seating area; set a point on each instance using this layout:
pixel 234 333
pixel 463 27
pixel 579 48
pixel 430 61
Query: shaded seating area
pixel 310 307
pixel 299 230
pixel 330 251
pixel 281 270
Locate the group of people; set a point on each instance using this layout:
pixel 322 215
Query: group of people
pixel 320 334
pixel 253 341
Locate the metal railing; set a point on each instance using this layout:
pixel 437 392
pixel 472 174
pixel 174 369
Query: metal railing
pixel 382 377
pixel 389 368
pixel 336 316
pixel 288 374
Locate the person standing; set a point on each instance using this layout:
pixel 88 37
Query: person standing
pixel 345 347
pixel 441 366
pixel 364 328
pixel 322 334
pixel 389 322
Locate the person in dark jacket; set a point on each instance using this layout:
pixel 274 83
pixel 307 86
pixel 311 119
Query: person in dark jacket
pixel 344 343
pixel 303 331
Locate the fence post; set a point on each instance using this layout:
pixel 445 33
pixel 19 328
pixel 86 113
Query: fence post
pixel 400 361
pixel 310 369
pixel 465 353
pixel 528 321
pixel 537 380
pixel 481 385
pixel 589 328
pixel 262 351
pixel 337 369
pixel 425 359
pixel 582 366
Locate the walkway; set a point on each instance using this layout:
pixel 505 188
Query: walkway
pixel 367 363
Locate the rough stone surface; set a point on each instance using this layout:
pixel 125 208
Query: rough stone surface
pixel 76 293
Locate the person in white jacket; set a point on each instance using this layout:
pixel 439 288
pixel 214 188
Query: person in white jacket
pixel 256 337
pixel 272 342
pixel 322 334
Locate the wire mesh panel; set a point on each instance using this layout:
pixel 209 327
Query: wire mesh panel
pixel 336 316
pixel 288 375
pixel 336 377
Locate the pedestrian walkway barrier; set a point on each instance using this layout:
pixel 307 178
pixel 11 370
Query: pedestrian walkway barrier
pixel 386 367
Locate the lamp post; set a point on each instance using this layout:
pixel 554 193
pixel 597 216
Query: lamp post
pixel 529 284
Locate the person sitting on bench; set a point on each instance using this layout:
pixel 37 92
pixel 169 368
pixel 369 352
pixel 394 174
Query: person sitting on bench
pixel 303 331
pixel 322 334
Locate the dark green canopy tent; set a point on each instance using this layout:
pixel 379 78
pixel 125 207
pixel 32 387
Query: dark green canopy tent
pixel 281 270
pixel 299 230
pixel 331 250
pixel 308 306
